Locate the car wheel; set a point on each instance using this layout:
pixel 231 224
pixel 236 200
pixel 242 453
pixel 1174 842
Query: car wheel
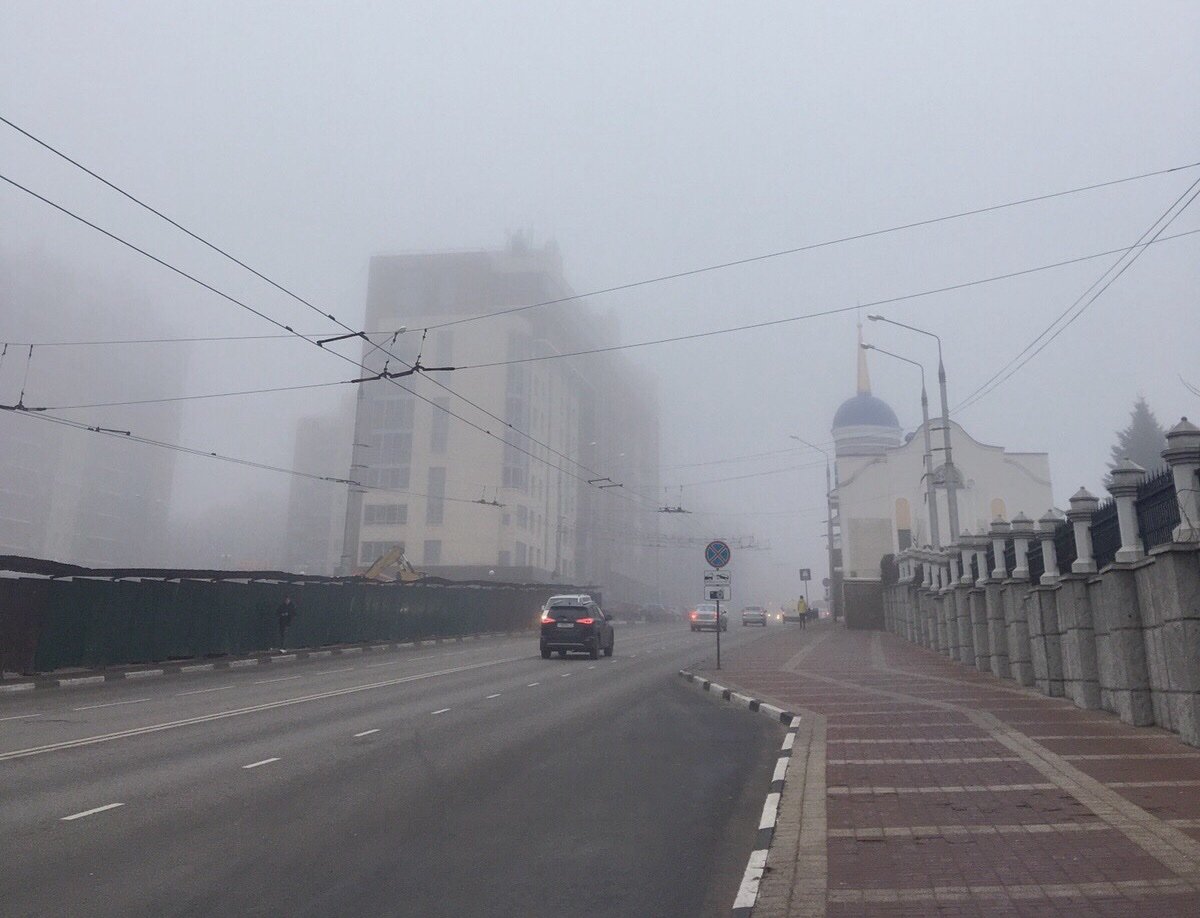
pixel 594 650
pixel 612 645
pixel 545 653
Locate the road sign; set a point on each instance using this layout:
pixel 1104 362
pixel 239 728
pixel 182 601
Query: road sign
pixel 718 586
pixel 805 573
pixel 717 553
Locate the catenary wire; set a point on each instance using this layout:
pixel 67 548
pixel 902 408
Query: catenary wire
pixel 820 314
pixel 301 337
pixel 996 380
pixel 291 293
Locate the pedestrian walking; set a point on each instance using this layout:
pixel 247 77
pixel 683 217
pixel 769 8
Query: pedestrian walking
pixel 802 611
pixel 286 612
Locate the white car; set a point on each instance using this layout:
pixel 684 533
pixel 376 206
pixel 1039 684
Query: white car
pixel 704 618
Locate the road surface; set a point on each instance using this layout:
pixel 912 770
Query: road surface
pixel 450 780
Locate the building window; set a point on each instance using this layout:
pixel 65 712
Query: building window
pixel 435 506
pixel 385 514
pixel 433 551
pixel 370 552
pixel 439 427
pixel 520 554
pixel 522 516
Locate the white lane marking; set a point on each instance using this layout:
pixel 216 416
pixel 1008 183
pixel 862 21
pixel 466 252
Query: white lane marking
pixel 366 733
pixel 748 891
pixel 340 669
pixel 20 716
pixel 205 691
pixel 110 704
pixel 789 741
pixel 240 664
pixel 280 679
pixel 197 668
pixel 263 762
pixel 440 711
pixel 564 675
pixel 769 811
pixel 781 767
pixel 591 667
pixel 386 663
pixel 143 673
pixel 497 695
pixel 532 684
pixel 253 709
pixel 93 811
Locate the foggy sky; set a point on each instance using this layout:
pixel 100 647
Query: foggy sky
pixel 307 137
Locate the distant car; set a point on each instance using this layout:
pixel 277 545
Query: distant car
pixel 754 615
pixel 566 600
pixel 792 614
pixel 579 627
pixel 704 618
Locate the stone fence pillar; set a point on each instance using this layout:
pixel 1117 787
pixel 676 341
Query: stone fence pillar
pixel 1083 505
pixel 1016 603
pixel 1183 456
pixel 1120 639
pixel 1047 527
pixel 1126 476
pixel 994 598
pixel 1045 633
pixel 961 568
pixel 977 544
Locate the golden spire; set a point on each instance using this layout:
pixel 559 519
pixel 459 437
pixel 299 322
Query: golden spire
pixel 864 378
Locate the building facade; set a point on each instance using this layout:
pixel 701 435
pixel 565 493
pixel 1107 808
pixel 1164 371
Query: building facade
pixel 881 493
pixel 463 503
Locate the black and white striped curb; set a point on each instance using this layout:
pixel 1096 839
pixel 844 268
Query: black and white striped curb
pixel 747 893
pixel 264 659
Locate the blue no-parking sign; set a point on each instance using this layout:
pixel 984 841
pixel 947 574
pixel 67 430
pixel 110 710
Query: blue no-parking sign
pixel 717 554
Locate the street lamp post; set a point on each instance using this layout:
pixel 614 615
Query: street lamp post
pixel 951 475
pixel 828 519
pixel 930 490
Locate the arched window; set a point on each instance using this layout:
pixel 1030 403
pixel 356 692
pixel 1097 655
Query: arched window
pixel 998 510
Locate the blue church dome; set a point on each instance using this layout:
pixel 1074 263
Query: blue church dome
pixel 865 410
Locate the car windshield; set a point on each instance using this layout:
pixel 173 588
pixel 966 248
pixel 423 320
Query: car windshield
pixel 562 611
pixel 707 607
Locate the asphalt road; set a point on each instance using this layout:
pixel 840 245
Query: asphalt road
pixel 457 780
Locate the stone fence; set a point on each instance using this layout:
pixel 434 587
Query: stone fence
pixel 1102 608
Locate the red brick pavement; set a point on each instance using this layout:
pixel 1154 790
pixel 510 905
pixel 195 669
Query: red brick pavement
pixel 949 792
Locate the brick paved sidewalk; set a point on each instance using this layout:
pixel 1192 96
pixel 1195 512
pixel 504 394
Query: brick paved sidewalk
pixel 920 787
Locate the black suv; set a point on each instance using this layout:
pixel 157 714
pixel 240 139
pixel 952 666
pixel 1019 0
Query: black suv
pixel 578 626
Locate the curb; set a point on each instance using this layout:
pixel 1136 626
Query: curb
pixel 747 894
pixel 261 659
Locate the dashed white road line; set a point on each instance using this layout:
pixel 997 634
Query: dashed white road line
pixel 110 704
pixel 591 667
pixel 263 762
pixel 564 675
pixel 440 711
pixel 497 695
pixel 91 812
pixel 20 716
pixel 366 733
pixel 280 679
pixel 340 669
pixel 532 684
pixel 205 691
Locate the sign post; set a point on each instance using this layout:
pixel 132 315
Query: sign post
pixel 717 554
pixel 805 576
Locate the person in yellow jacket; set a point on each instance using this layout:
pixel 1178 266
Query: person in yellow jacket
pixel 802 611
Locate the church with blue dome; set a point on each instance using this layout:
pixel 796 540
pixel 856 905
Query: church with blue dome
pixel 879 499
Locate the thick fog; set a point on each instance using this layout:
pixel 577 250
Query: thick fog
pixel 644 140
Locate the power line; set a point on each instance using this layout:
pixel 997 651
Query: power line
pixel 189 398
pixel 996 380
pixel 821 314
pixel 301 337
pixel 692 272
pixel 131 437
pixel 276 285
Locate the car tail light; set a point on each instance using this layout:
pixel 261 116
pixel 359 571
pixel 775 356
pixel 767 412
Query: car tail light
pixel 546 619
pixel 584 621
pixel 693 616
